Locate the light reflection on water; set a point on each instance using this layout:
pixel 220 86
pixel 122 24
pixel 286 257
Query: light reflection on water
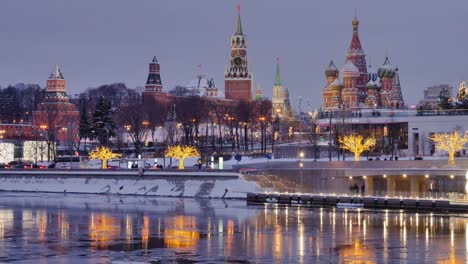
pixel 48 228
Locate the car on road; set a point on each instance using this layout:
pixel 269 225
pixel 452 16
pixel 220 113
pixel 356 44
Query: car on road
pixel 4 166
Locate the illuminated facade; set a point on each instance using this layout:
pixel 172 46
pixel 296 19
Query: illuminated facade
pixel 277 100
pixel 358 86
pixel 7 151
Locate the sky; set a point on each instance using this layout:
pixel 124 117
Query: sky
pixel 106 41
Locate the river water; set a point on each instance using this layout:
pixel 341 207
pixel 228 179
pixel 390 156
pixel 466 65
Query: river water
pixel 58 228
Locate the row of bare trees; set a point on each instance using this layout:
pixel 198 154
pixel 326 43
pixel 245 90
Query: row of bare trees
pixel 206 123
pixel 225 123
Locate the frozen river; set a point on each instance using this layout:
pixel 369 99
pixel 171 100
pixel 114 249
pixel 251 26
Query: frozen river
pixel 57 228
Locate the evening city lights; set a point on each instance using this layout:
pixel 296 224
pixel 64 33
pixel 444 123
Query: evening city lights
pixel 239 131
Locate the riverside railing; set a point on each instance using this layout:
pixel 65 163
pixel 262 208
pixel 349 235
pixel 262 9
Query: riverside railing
pixel 451 196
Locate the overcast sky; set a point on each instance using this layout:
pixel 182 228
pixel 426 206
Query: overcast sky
pixel 105 41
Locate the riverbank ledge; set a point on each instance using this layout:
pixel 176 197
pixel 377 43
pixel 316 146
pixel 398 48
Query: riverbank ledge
pixel 199 184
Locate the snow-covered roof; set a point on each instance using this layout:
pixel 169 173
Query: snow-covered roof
pixel 200 85
pixel 337 82
pixel 56 74
pixel 349 69
pixel 371 84
pixel 200 82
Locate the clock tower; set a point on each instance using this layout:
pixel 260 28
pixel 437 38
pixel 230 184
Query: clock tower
pixel 238 76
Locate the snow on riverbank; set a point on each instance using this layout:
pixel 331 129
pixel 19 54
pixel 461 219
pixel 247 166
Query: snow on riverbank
pixel 174 186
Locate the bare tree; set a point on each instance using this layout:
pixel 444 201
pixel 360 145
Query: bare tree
pixel 263 115
pixel 156 112
pixel 133 119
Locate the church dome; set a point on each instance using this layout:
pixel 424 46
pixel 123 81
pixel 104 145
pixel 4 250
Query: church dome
pixel 386 70
pixel 372 85
pixel 372 74
pixel 349 70
pixel 336 84
pixel 331 70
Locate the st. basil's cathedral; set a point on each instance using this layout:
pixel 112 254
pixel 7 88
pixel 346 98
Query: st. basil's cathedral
pixel 358 86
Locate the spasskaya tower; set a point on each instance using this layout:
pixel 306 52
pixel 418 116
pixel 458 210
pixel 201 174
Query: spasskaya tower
pixel 238 75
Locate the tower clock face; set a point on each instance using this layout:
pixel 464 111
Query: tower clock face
pixel 237 61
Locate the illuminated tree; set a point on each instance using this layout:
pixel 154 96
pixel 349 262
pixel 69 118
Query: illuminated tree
pixel 356 144
pixel 181 153
pixel 451 143
pixel 104 154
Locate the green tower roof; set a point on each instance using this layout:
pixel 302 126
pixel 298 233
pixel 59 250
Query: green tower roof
pixel 278 75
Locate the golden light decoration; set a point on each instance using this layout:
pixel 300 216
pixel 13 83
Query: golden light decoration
pixel 450 142
pixel 356 144
pixel 181 153
pixel 104 154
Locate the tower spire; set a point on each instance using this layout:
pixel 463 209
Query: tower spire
pixel 239 23
pixel 278 75
pixel 355 46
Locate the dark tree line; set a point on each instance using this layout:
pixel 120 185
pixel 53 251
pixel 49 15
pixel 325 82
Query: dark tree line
pixel 110 111
pixel 17 102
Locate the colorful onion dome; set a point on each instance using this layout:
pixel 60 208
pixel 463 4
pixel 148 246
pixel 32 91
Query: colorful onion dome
pixel 372 74
pixel 331 70
pixel 386 70
pixel 372 85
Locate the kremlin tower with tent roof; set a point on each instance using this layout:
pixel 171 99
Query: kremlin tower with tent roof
pixel 56 116
pixel 357 86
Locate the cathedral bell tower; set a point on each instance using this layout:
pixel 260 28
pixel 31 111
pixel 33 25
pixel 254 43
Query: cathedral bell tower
pixel 238 76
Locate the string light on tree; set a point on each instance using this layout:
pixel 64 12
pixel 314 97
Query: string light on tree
pixel 104 154
pixel 181 153
pixel 356 144
pixel 451 142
